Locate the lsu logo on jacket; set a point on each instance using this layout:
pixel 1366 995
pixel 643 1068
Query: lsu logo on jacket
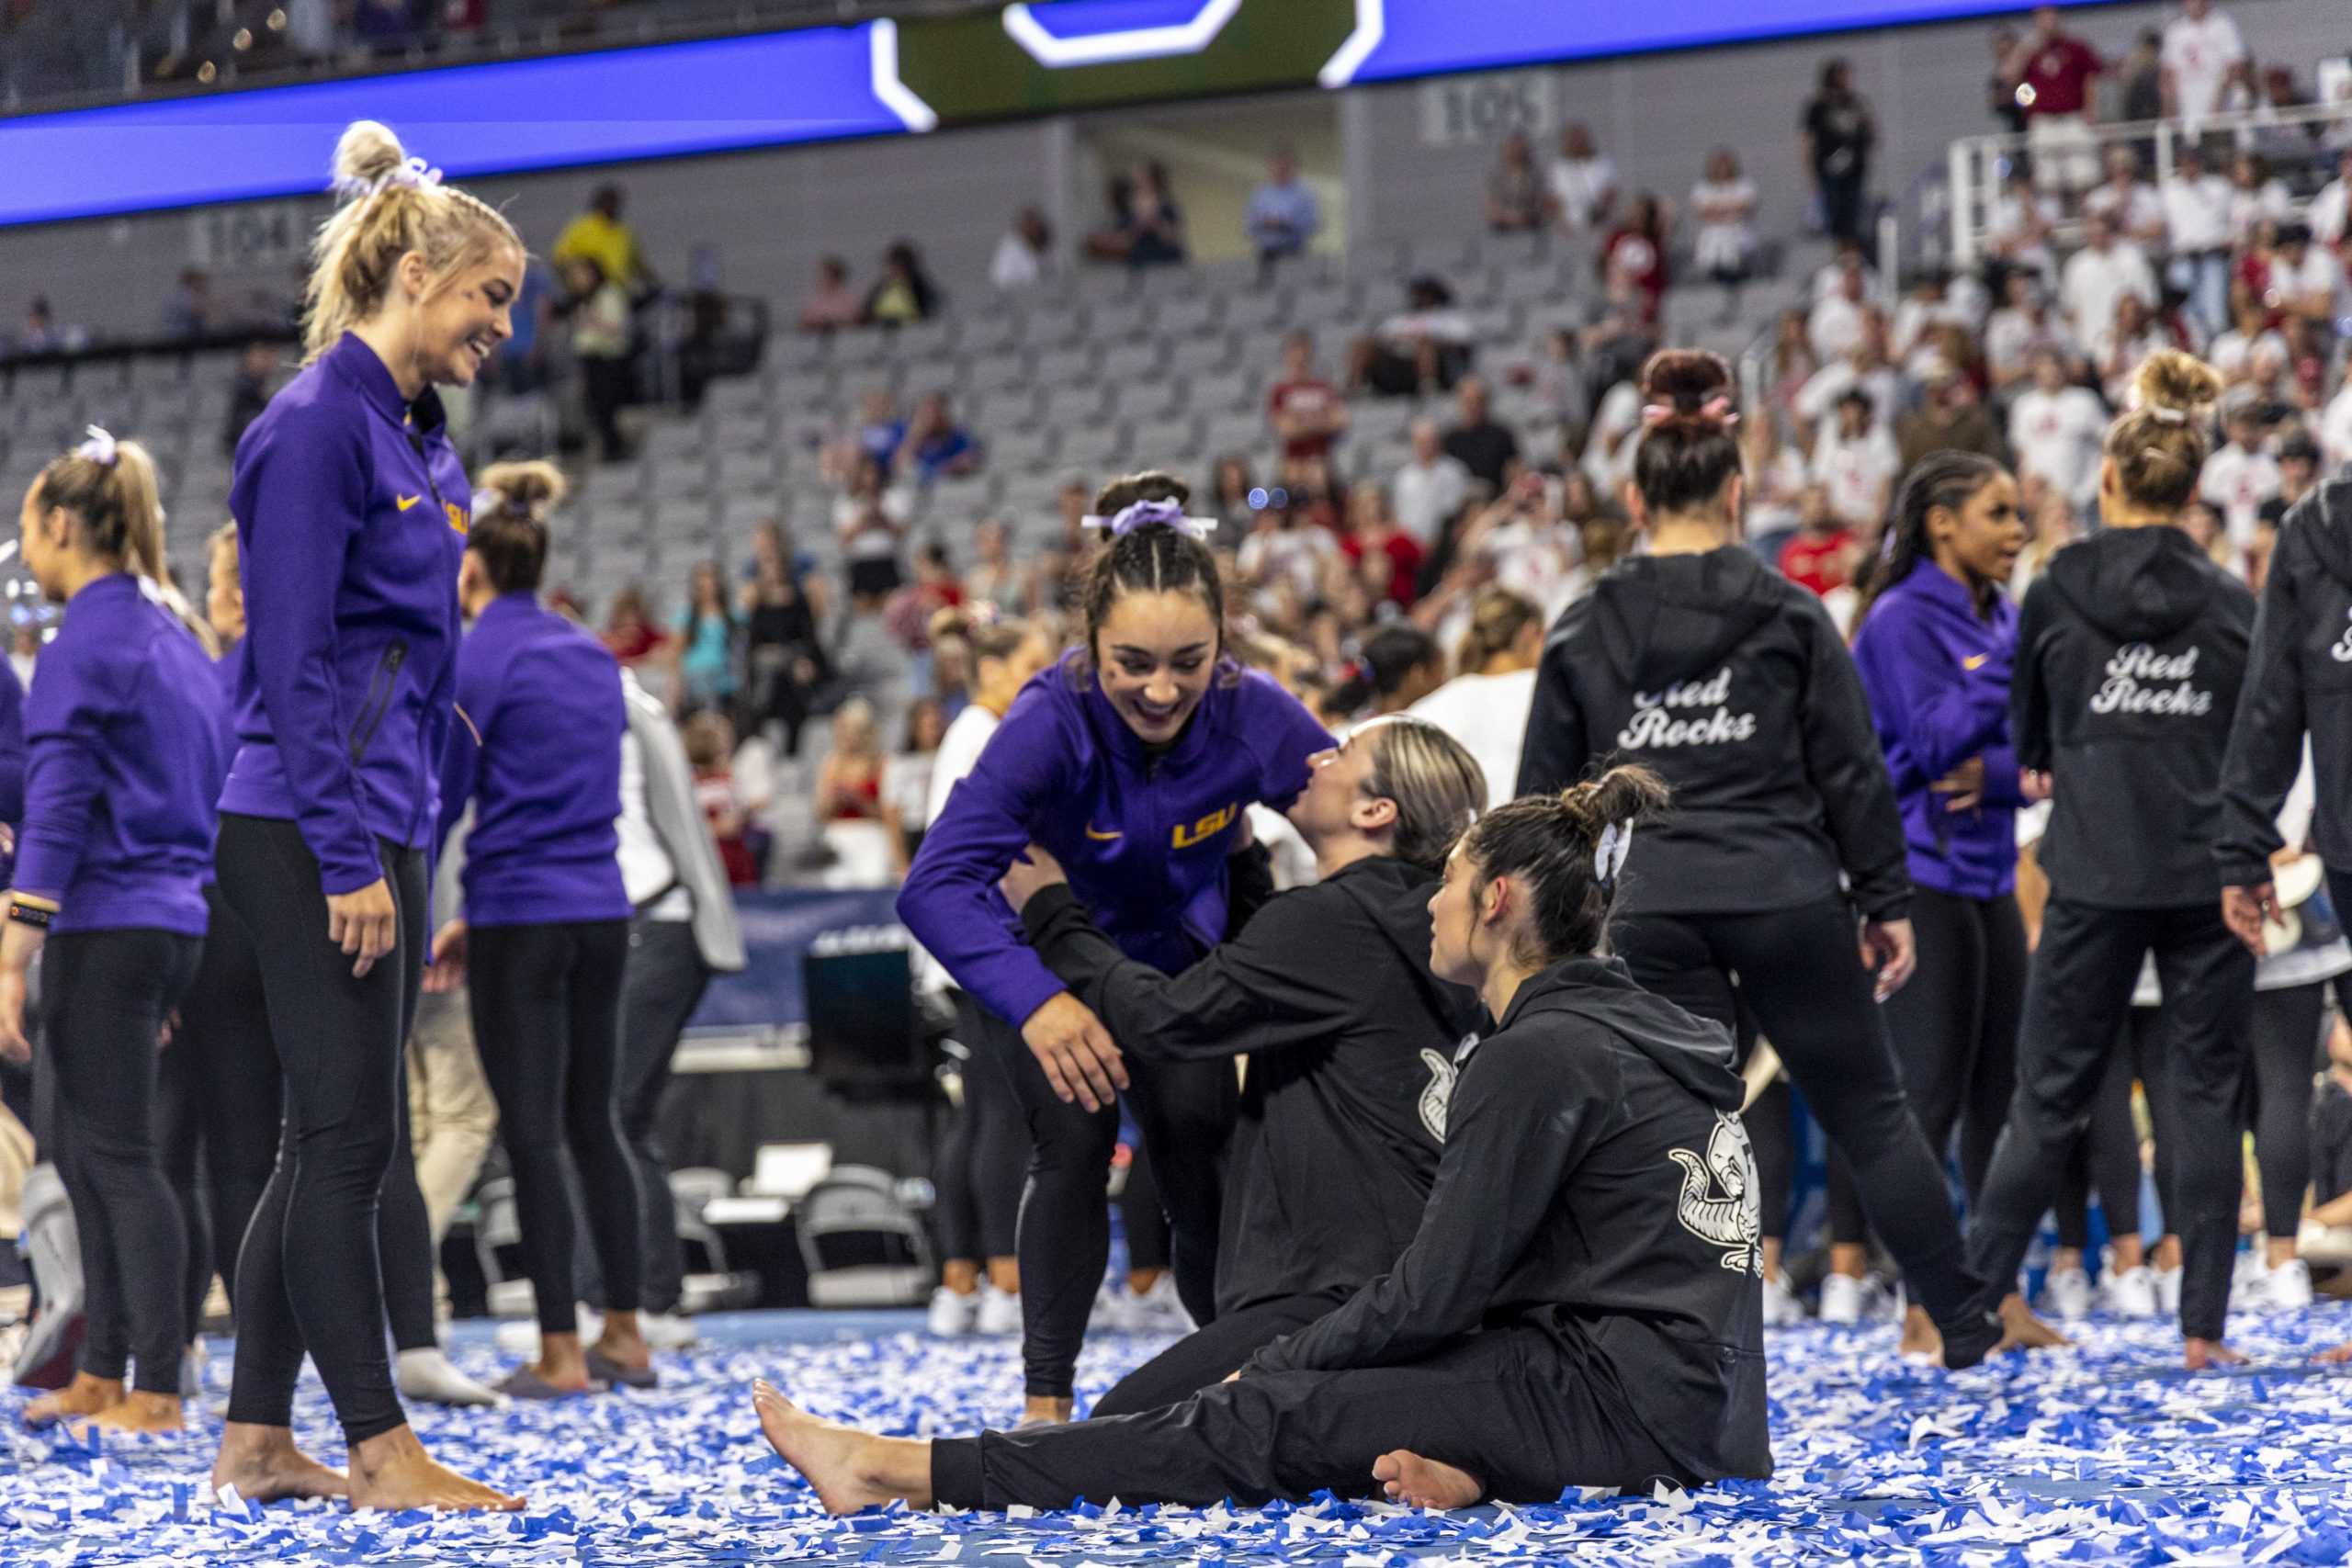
pixel 1207 827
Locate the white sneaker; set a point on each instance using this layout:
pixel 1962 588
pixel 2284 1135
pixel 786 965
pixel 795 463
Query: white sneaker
pixel 1000 1314
pixel 2288 1287
pixel 2067 1293
pixel 1159 1310
pixel 667 1330
pixel 520 1337
pixel 2167 1292
pixel 951 1315
pixel 2245 1282
pixel 2132 1292
pixel 1781 1304
pixel 1841 1298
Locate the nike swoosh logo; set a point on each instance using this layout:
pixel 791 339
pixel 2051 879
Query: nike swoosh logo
pixel 1100 837
pixel 1974 661
pixel 405 502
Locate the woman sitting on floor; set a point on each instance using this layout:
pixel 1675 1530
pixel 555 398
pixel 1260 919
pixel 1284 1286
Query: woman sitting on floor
pixel 1580 1307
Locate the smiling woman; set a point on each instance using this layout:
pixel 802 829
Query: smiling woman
pixel 344 708
pixel 1131 763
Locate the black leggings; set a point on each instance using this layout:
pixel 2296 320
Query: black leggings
pixel 987 1149
pixel 2107 1156
pixel 547 1003
pixel 1207 1356
pixel 1184 1111
pixel 107 995
pixel 2288 1047
pixel 1955 1034
pixel 1800 977
pixel 310 1278
pixel 1143 1217
pixel 2084 972
pixel 661 987
pixel 1773 1138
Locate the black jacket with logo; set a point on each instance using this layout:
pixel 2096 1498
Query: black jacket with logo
pixel 2299 683
pixel 1351 1045
pixel 1732 683
pixel 2130 651
pixel 1598 1189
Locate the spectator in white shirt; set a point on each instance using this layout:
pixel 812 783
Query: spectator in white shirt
pixel 2335 428
pixel 2056 430
pixel 2256 197
pixel 1723 204
pixel 2330 213
pixel 2118 352
pixel 1855 461
pixel 2017 231
pixel 1932 302
pixel 2200 45
pixel 2240 476
pixel 1583 183
pixel 2197 221
pixel 1485 706
pixel 1866 370
pixel 2104 270
pixel 2021 328
pixel 1837 324
pixel 2307 278
pixel 1025 255
pixel 2232 352
pixel 1431 489
pixel 2129 202
pixel 1847 260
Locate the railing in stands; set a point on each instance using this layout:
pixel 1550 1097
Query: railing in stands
pixel 2297 143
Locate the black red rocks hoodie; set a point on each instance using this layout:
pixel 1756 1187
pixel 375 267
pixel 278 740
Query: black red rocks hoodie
pixel 2130 651
pixel 1598 1189
pixel 1730 681
pixel 2299 683
pixel 1351 1043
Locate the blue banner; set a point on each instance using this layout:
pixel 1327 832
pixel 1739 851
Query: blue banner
pixel 778 931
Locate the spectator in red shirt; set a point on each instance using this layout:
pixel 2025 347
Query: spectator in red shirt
pixel 1388 558
pixel 629 630
pixel 1632 260
pixel 1819 555
pixel 2054 72
pixel 1307 412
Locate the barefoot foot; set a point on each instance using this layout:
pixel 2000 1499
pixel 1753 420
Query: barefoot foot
pixel 2021 1330
pixel 845 1466
pixel 1425 1482
pixel 142 1412
pixel 1038 1411
pixel 2336 1358
pixel 264 1465
pixel 2196 1355
pixel 392 1471
pixel 1920 1339
pixel 85 1396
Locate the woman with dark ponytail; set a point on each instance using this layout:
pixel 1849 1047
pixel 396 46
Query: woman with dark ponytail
pixel 1936 641
pixel 1131 762
pixel 1731 681
pixel 1397 665
pixel 1577 1307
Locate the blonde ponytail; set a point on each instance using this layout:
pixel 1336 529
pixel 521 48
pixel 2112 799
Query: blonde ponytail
pixel 117 504
pixel 394 206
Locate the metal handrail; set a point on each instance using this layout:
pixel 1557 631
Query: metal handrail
pixel 1974 163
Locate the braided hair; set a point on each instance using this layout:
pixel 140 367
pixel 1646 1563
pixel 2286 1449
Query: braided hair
pixel 1943 479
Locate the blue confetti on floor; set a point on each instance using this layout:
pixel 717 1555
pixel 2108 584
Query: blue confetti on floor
pixel 2104 1453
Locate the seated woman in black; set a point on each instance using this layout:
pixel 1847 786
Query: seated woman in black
pixel 1351 1042
pixel 1580 1307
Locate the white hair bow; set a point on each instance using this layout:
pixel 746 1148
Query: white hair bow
pixel 1608 853
pixel 99 447
pixel 410 172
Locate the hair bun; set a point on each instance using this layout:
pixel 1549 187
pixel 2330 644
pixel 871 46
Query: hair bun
pixel 1685 379
pixel 530 488
pixel 2169 379
pixel 366 151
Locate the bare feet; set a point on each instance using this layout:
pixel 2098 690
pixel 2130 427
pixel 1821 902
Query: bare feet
pixel 392 1471
pixel 622 1343
pixel 1424 1482
pixel 562 1364
pixel 1037 1411
pixel 141 1412
pixel 2336 1356
pixel 2199 1354
pixel 1919 1336
pixel 2021 1330
pixel 850 1469
pixel 85 1396
pixel 264 1465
